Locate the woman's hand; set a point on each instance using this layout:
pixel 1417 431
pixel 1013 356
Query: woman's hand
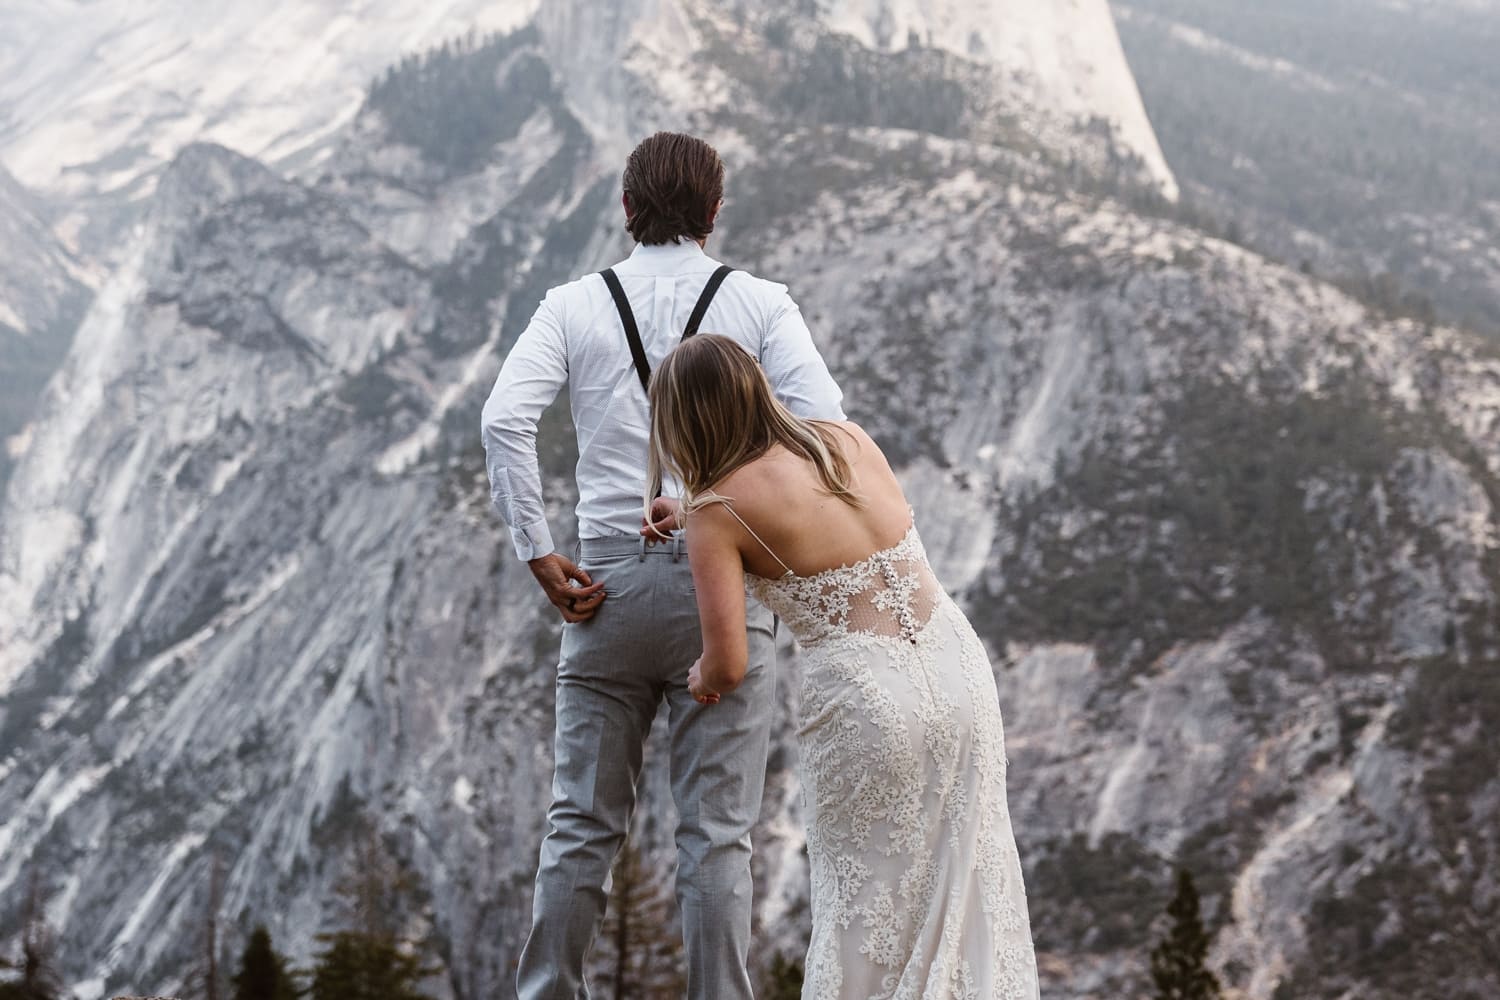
pixel 665 517
pixel 701 692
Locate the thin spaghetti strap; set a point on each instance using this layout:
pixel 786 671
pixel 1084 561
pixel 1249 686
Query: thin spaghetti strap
pixel 729 506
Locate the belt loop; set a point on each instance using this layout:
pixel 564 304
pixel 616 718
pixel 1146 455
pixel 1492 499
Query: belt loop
pixel 642 556
pixel 676 546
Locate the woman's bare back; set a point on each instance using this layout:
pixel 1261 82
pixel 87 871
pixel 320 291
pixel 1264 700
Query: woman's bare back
pixel 781 498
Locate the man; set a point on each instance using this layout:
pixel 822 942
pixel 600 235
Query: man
pixel 631 629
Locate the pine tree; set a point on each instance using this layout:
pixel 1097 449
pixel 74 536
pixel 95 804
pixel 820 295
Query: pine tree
pixel 639 954
pixel 203 979
pixel 39 979
pixel 370 960
pixel 1177 963
pixel 358 966
pixel 783 980
pixel 263 973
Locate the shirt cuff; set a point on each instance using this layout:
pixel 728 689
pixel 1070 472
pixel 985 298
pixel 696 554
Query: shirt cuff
pixel 532 540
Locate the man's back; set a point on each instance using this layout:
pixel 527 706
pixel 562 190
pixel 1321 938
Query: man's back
pixel 576 338
pixel 628 649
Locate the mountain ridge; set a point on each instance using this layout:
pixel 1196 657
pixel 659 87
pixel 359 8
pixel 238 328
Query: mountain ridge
pixel 43 292
pixel 1086 406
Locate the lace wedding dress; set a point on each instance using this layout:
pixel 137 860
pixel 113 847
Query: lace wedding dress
pixel 916 883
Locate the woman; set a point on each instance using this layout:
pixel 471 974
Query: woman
pixel 916 884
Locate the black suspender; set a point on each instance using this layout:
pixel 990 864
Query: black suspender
pixel 714 281
pixel 627 318
pixel 633 333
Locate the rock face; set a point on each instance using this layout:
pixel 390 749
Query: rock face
pixel 1369 160
pixel 99 96
pixel 1231 537
pixel 1059 65
pixel 43 292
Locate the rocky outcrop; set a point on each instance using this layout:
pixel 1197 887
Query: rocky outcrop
pixel 1229 535
pixel 43 292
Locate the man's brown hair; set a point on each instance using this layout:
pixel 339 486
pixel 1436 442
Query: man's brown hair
pixel 674 183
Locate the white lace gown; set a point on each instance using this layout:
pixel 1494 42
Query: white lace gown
pixel 916 883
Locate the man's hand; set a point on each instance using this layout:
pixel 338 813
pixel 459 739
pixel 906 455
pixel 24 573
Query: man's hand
pixel 701 692
pixel 664 514
pixel 557 576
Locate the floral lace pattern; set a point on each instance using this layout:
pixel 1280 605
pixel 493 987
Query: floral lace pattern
pixel 916 883
pixel 891 592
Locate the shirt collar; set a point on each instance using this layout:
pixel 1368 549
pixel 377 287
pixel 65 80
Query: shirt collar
pixel 666 258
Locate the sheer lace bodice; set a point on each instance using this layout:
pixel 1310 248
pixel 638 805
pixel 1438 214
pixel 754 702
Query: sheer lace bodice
pixel 890 593
pixel 917 891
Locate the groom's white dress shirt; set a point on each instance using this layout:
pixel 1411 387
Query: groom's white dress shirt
pixel 575 339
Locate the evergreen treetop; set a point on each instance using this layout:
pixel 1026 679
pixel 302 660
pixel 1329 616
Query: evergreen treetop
pixel 1178 963
pixel 263 974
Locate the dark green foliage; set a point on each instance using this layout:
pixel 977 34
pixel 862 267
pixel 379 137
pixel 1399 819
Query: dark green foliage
pixel 638 954
pixel 370 958
pixel 1389 296
pixel 1089 899
pixel 1404 925
pixel 811 76
pixel 1408 921
pixel 1338 138
pixel 1397 121
pixel 1456 779
pixel 842 82
pixel 1452 710
pixel 35 982
pixel 453 105
pixel 1219 848
pixel 1203 523
pixel 357 966
pixel 783 979
pixel 37 977
pixel 1177 963
pixel 263 974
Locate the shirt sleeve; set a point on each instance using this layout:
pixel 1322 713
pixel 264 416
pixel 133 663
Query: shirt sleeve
pixel 797 372
pixel 529 380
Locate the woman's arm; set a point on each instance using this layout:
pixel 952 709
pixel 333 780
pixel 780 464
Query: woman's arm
pixel 719 578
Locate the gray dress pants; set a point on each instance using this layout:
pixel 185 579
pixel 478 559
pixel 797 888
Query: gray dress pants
pixel 614 672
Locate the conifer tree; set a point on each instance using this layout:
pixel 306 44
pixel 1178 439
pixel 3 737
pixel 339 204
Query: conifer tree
pixel 358 966
pixel 203 979
pixel 263 974
pixel 783 979
pixel 39 979
pixel 639 954
pixel 369 959
pixel 1177 963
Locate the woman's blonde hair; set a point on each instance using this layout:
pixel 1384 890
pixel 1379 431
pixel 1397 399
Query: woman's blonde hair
pixel 712 411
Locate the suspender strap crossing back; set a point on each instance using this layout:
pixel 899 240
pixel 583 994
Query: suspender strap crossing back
pixel 633 333
pixel 627 318
pixel 714 281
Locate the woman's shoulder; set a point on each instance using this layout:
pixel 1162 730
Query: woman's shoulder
pixel 750 481
pixel 746 494
pixel 849 429
pixel 867 450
